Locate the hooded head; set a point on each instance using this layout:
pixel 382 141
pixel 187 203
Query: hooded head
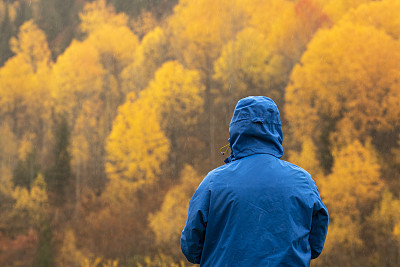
pixel 255 128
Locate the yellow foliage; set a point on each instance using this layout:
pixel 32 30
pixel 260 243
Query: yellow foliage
pixel 31 46
pixel 161 260
pixel 115 44
pixel 149 56
pixel 79 85
pixel 292 30
pixel 337 8
pixel 97 261
pixel 8 146
pixel 2 9
pixel 97 13
pixel 79 151
pixel 354 184
pixel 119 195
pixel 77 75
pixel 109 34
pixel 262 56
pixel 396 231
pixel 25 146
pixel 136 146
pixel 24 90
pixel 87 86
pixel 242 66
pixel 349 72
pixel 388 214
pixel 6 184
pixel 344 232
pixel 16 79
pixel 33 206
pixel 307 159
pixel 69 254
pixel 81 70
pixel 169 221
pixel 175 94
pixel 110 263
pixel 89 130
pixel 12 9
pixel 88 263
pixel 383 15
pixel 143 24
pixel 350 193
pixel 201 28
pixel 264 14
pixel 346 88
pixel 383 225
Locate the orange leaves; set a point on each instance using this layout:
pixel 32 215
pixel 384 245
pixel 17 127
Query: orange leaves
pixel 311 16
pixel 19 251
pixel 308 10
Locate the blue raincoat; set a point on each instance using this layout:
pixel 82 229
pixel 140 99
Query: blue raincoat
pixel 256 210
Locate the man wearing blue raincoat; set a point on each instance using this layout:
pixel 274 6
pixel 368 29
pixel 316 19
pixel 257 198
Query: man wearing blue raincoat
pixel 256 210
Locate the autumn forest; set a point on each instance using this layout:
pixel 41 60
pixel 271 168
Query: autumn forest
pixel 112 112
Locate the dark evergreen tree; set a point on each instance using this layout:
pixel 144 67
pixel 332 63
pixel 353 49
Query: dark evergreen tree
pixel 59 175
pixel 24 13
pixel 53 16
pixel 59 20
pixel 133 8
pixel 6 32
pixel 44 255
pixel 26 171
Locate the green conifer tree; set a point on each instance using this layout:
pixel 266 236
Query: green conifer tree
pixel 59 175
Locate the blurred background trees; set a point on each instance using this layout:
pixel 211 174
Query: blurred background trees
pixel 113 111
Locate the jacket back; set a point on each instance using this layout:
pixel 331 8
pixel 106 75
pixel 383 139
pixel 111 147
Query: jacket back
pixel 256 210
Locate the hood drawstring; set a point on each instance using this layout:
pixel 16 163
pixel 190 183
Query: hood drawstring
pixel 226 150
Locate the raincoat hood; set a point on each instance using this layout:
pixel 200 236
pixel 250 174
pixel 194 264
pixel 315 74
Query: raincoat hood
pixel 255 128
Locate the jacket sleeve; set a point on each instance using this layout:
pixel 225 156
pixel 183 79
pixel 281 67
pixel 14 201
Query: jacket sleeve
pixel 319 225
pixel 193 235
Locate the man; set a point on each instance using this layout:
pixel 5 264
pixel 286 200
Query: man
pixel 256 210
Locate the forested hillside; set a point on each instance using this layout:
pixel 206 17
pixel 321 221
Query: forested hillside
pixel 113 111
